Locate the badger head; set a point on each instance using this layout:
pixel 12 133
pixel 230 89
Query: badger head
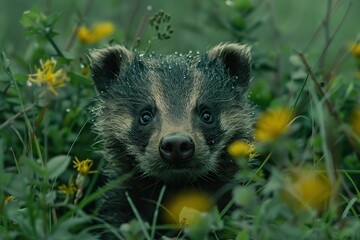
pixel 172 117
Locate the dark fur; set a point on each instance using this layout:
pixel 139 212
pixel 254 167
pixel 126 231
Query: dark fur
pixel 176 89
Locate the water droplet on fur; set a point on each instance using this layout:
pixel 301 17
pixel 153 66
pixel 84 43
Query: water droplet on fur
pixel 175 53
pixel 180 54
pixel 190 52
pixel 197 52
pixel 149 8
pixel 169 67
pixel 102 92
pixel 67 110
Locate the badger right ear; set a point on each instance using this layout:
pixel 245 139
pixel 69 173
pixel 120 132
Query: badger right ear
pixel 106 64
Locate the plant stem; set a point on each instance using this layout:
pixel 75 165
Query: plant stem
pixel 13 118
pixel 88 7
pixel 53 44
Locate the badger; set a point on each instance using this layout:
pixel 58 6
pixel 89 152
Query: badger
pixel 168 120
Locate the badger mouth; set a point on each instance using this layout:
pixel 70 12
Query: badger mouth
pixel 177 171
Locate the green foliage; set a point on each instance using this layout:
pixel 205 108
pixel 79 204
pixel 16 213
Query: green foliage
pixel 42 196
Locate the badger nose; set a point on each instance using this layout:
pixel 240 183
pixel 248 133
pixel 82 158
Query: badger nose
pixel 176 148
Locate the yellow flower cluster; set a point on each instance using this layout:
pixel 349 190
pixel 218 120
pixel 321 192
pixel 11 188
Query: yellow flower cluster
pixel 83 167
pixel 9 198
pixel 68 189
pixel 47 75
pixel 355 122
pixel 241 149
pixel 355 49
pixel 97 32
pixel 185 207
pixel 308 188
pixel 272 124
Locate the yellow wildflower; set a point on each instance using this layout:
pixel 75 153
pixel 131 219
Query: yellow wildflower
pixel 97 32
pixel 308 188
pixel 68 189
pixel 186 206
pixel 241 149
pixel 84 166
pixel 47 75
pixel 188 215
pixel 9 198
pixel 355 121
pixel 272 124
pixel 355 49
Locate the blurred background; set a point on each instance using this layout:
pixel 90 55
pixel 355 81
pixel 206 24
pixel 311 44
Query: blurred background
pixel 266 24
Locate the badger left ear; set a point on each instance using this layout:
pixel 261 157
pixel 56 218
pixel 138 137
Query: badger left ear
pixel 236 59
pixel 107 64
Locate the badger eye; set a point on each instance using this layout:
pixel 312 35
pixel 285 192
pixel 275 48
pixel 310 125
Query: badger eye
pixel 146 117
pixel 206 117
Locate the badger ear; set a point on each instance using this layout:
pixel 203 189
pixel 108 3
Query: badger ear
pixel 236 59
pixel 107 63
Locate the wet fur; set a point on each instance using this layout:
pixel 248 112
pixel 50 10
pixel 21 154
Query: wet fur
pixel 176 89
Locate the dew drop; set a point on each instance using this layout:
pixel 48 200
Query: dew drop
pixel 176 53
pixel 190 52
pixel 149 8
pixel 28 83
pixel 197 52
pixel 67 110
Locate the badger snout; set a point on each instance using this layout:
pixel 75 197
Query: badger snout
pixel 176 148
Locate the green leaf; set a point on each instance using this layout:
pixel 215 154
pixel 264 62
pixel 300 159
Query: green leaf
pixel 243 5
pixel 200 227
pixel 242 236
pixel 32 18
pixel 244 196
pixel 5 60
pixel 57 165
pixel 77 79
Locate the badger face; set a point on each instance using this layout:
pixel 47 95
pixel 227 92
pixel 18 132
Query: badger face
pixel 172 117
